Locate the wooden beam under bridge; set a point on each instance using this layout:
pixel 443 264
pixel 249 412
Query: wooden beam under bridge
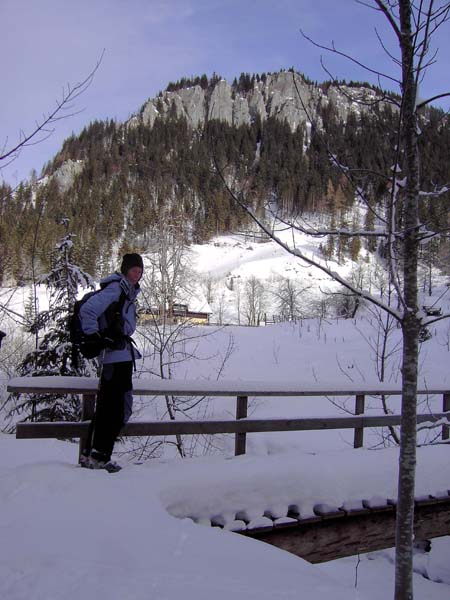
pixel 336 533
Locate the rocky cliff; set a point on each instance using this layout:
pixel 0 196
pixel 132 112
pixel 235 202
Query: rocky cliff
pixel 284 95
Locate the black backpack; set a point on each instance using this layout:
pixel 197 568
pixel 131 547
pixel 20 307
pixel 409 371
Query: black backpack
pixel 111 336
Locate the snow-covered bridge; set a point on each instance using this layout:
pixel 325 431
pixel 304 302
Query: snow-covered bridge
pixel 325 519
pixel 331 531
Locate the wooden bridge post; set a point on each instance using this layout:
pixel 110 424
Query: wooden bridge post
pixel 359 431
pixel 445 407
pixel 87 414
pixel 240 439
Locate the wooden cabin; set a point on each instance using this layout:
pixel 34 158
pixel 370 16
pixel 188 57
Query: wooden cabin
pixel 179 313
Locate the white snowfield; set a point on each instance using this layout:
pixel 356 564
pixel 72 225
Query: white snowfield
pixel 72 533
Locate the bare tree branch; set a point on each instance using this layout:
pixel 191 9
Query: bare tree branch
pixel 333 49
pixel 432 99
pixel 43 127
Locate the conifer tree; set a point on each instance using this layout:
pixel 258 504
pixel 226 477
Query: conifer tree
pixel 54 354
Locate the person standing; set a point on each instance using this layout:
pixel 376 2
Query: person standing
pixel 109 318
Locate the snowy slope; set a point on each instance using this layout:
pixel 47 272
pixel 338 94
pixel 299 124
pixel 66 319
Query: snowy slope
pixel 229 261
pixel 73 533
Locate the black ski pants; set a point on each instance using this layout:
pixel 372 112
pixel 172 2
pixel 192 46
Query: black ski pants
pixel 112 405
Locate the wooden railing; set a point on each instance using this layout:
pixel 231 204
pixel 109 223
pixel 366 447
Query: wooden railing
pixel 241 390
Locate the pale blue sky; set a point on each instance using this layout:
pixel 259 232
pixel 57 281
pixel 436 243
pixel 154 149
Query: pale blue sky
pixel 47 44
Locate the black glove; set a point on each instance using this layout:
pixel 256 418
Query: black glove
pixel 94 338
pixel 92 345
pixel 108 341
pixel 116 343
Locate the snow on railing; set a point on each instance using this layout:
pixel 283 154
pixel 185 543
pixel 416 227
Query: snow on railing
pixel 241 425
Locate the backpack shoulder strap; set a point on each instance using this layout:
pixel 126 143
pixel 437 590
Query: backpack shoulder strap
pixel 123 297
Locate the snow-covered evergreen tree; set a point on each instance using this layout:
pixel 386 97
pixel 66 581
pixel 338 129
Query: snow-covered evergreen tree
pixel 54 354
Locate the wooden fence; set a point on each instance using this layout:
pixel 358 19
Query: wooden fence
pixel 240 426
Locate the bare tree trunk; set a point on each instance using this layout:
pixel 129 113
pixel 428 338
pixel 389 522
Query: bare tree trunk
pixel 407 463
pixel 410 323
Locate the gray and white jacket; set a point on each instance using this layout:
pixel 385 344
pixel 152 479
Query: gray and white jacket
pixel 91 314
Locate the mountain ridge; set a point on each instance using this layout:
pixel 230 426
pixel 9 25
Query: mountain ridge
pixel 286 95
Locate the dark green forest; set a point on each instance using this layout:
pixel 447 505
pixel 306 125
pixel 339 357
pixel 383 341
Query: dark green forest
pixel 136 176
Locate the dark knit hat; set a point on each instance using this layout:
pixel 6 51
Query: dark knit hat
pixel 129 261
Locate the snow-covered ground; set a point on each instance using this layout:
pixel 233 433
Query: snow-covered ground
pixel 69 533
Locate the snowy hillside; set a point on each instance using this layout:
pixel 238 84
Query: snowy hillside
pixel 226 264
pixel 230 261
